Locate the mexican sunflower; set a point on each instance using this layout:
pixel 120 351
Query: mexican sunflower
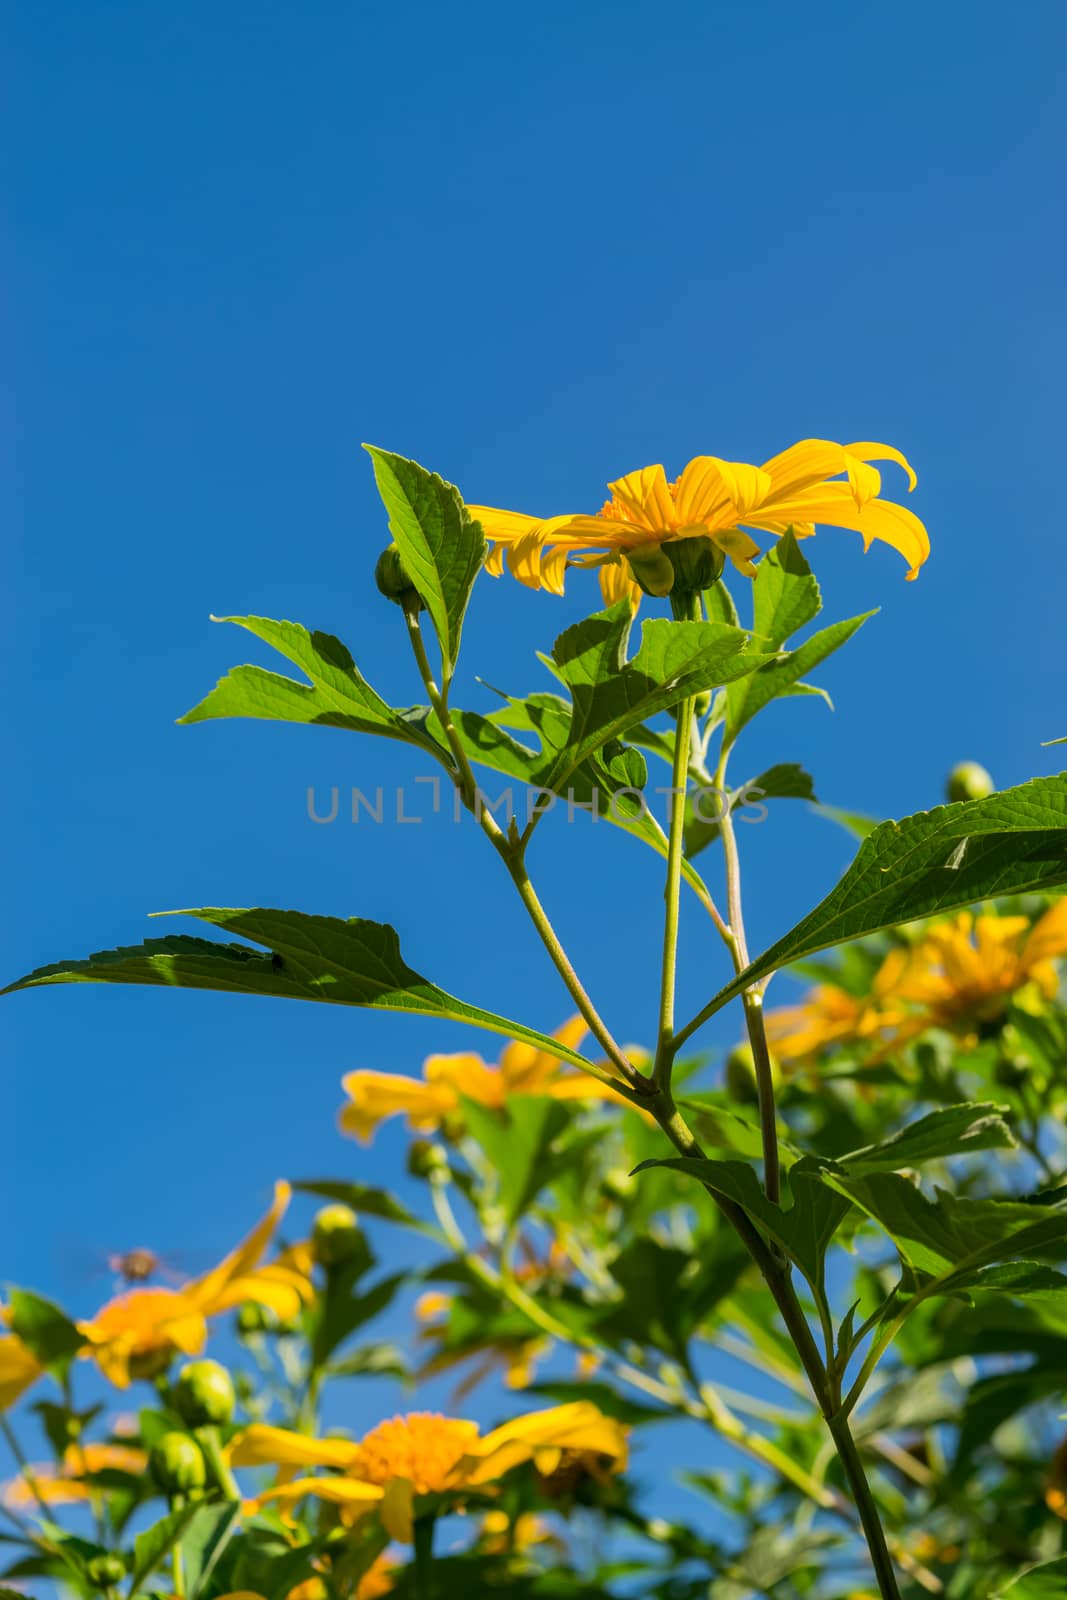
pixel 960 974
pixel 375 1583
pixel 65 1484
pixel 422 1454
pixel 434 1099
pixel 813 482
pixel 136 1334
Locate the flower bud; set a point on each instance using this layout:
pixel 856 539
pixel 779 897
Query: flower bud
pixel 104 1572
pixel 177 1464
pixel 652 570
pixel 335 1236
pixel 425 1158
pixel 204 1394
pixel 741 1081
pixel 393 579
pixel 697 562
pixel 969 781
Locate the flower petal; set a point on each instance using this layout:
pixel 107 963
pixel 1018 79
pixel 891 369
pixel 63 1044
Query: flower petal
pixel 264 1446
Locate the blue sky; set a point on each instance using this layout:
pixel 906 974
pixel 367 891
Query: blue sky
pixel 533 247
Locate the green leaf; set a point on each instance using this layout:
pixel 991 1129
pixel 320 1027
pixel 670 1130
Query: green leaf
pixel 720 1126
pixel 362 1197
pixel 152 1546
pixel 442 547
pixel 203 1541
pixel 343 1309
pixel 785 595
pixel 43 1327
pixel 1045 1582
pixel 337 695
pixel 610 694
pixel 936 861
pixel 953 1239
pixel 853 822
pixel 353 963
pixel 370 1361
pixel 785 781
pixel 949 1131
pixel 803 1230
pixel 781 677
pixel 518 1142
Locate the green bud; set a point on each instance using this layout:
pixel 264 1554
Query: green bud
pixel 105 1571
pixel 1011 1072
pixel 177 1464
pixel 426 1159
pixel 393 579
pixel 697 562
pixel 969 781
pixel 204 1394
pixel 335 1236
pixel 652 571
pixel 741 1081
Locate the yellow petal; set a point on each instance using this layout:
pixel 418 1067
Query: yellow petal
pixel 714 491
pixel 503 527
pixel 355 1499
pixel 616 584
pixel 577 1426
pixel 647 499
pixel 374 1096
pixel 262 1445
pixel 1048 937
pixel 866 451
pixel 833 505
pixel 19 1368
pixel 207 1290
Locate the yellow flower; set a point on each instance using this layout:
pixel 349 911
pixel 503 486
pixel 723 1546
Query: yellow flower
pixel 959 974
pixel 424 1454
pixel 430 1101
pixel 19 1368
pixel 65 1484
pixel 814 481
pixel 138 1333
pixel 965 971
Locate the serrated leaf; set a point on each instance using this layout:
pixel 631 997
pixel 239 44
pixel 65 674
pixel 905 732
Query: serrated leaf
pixel 745 699
pixel 930 863
pixel 343 962
pixel 441 545
pixel 785 594
pixel 953 1239
pixel 949 1131
pixel 336 696
pixel 803 1230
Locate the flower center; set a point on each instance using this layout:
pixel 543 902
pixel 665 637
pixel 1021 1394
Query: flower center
pixel 422 1447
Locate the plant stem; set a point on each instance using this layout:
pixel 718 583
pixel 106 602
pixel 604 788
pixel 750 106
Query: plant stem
pixel 751 999
pixel 661 1073
pixel 25 1470
pixel 512 856
pixel 865 1505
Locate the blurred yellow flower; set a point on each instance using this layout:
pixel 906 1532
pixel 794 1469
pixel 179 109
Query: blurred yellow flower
pixel 813 482
pixel 425 1454
pixel 19 1368
pixel 431 1101
pixel 959 974
pixel 136 1334
pixel 65 1484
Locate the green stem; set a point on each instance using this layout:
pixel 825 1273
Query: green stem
pixel 865 1504
pixel 25 1470
pixel 661 1074
pixel 178 1568
pixel 751 999
pixel 511 854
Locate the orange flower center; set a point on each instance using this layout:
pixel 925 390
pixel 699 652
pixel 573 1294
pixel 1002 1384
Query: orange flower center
pixel 422 1447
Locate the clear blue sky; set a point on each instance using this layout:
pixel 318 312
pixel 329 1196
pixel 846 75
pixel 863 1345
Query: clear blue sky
pixel 534 247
